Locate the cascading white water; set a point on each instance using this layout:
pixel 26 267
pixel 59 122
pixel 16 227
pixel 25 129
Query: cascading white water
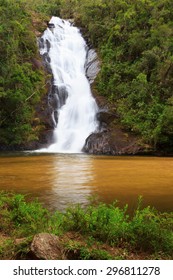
pixel 77 117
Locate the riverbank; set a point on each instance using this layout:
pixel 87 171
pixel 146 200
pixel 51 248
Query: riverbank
pixel 98 231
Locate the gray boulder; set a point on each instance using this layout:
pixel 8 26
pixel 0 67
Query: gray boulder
pixel 46 246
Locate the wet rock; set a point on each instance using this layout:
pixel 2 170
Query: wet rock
pixel 99 143
pixel 115 141
pixel 44 111
pixel 40 43
pixel 105 117
pixel 48 45
pixel 46 246
pixel 92 65
pixel 46 62
pixel 50 25
pixel 53 100
pixel 57 96
pixel 56 99
pixel 44 46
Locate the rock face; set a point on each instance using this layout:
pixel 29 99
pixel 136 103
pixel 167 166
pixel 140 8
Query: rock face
pixel 105 117
pixel 92 65
pixel 99 143
pixel 51 98
pixel 114 141
pixel 46 246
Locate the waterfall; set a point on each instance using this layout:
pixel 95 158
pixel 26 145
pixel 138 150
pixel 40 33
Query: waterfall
pixel 75 114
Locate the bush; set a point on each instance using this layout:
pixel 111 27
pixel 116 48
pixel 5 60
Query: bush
pixel 146 230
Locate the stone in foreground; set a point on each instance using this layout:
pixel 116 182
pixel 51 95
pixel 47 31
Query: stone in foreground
pixel 46 246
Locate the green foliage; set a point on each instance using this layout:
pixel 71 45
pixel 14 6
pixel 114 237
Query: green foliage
pixel 25 219
pixel 21 86
pixel 134 41
pixel 44 7
pixel 108 223
pixel 85 252
pixel 146 230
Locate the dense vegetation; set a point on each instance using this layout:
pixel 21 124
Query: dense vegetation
pixel 134 41
pixel 20 84
pixel 99 231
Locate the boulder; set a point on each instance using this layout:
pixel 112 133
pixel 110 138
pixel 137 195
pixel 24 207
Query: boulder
pixel 115 141
pixel 99 143
pixel 46 246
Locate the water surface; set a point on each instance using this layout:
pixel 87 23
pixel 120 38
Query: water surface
pixel 58 180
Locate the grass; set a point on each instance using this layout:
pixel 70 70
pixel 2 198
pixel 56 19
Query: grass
pixel 99 231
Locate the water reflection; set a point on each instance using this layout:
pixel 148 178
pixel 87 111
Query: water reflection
pixel 57 180
pixel 72 177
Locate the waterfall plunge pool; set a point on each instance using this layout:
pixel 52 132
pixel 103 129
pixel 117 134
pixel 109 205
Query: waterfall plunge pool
pixel 58 180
